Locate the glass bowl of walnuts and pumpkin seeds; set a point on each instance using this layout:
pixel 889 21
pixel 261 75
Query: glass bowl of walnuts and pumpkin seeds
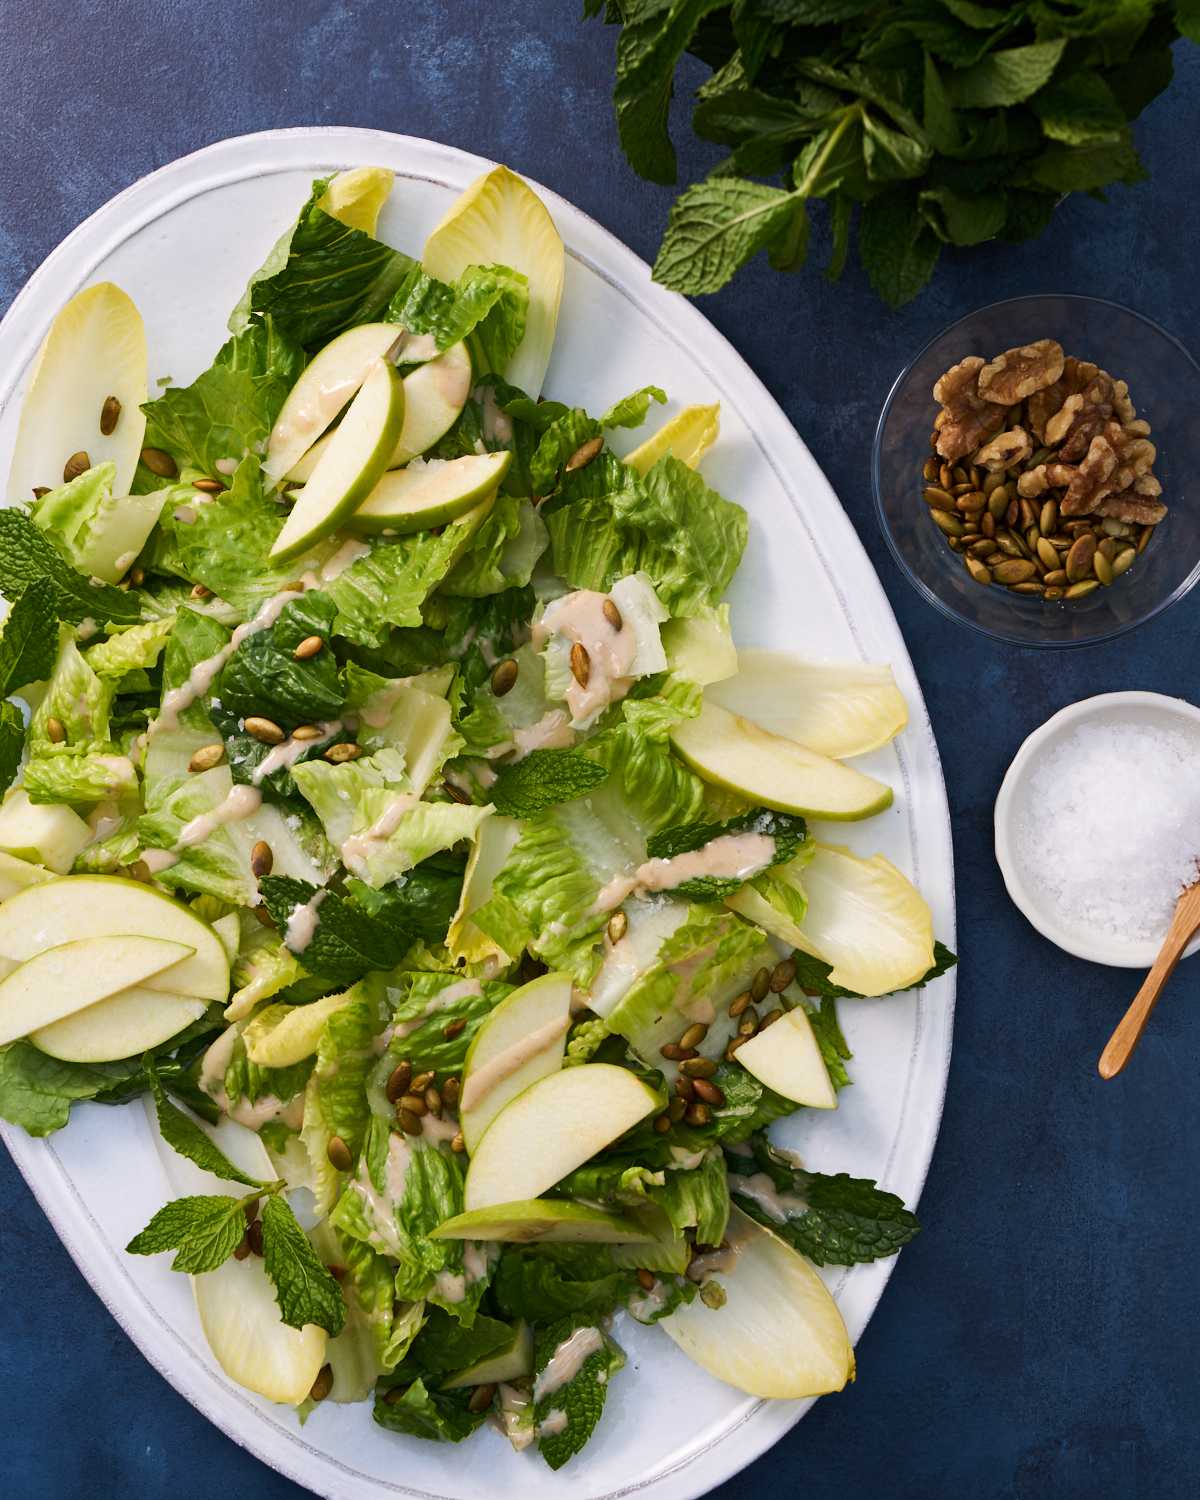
pixel 1035 470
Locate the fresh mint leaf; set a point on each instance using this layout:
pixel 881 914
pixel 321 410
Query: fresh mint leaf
pixel 812 975
pixel 544 778
pixel 582 1398
pixel 1007 77
pixel 846 1221
pixel 963 218
pixel 188 1138
pixel 424 900
pixel 834 1051
pixel 787 831
pixel 29 644
pixel 12 743
pixel 205 1230
pixel 347 941
pixel 714 228
pixel 440 1416
pixel 304 1289
pixel 1080 109
pixel 263 677
pixel 897 247
pixel 1069 169
pixel 28 557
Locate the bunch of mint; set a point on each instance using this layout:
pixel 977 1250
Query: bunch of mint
pixel 950 122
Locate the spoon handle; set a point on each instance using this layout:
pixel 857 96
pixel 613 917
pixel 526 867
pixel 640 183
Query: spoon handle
pixel 1127 1035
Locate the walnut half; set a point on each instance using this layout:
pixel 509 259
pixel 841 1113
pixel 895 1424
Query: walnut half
pixel 1018 373
pixel 1003 451
pixel 966 419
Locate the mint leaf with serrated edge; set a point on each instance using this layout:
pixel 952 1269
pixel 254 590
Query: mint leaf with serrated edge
pixel 582 1397
pixel 812 974
pixel 347 941
pixel 27 557
pixel 12 743
pixel 304 1289
pixel 190 1139
pixel 205 1230
pixel 714 228
pixel 29 644
pixel 787 831
pixel 544 778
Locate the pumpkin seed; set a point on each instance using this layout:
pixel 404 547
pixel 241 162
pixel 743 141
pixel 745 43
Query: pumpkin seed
pixel 55 731
pixel 618 926
pixel 673 1052
pixel 110 415
pixel 264 731
pixel 400 1081
pixel 760 984
pixel 1144 539
pixel 205 758
pixel 39 490
pixel 450 1092
pixel 938 499
pixel 433 1102
pixel 1048 519
pixel 970 529
pixel 1056 577
pixel 262 861
pixel 930 472
pixel 1032 587
pixel 975 475
pixel 1081 589
pixel 323 1384
pixel 208 486
pixel 77 464
pixel 675 1109
pixel 736 1007
pixel 748 1024
pixel 1012 513
pixel 504 678
pixel 1032 537
pixel 971 504
pixel 685 1089
pixel 960 475
pixel 422 1081
pixel 1014 570
pixel 200 591
pixel 137 576
pixel 1028 516
pixel 414 1104
pixel 581 664
pixel 782 975
pixel 1123 561
pixel 306 732
pixel 613 615
pixel 1009 545
pixel 1046 552
pixel 978 571
pixel 339 1154
pixel 339 754
pixel 1079 558
pixel 769 1019
pixel 981 549
pixel 946 477
pixel 987 524
pixel 584 454
pixel 308 647
pixel 662 1123
pixel 1110 526
pixel 709 1093
pixel 992 482
pixel 698 1114
pixel 409 1123
pixel 1103 567
pixel 694 1035
pixel 457 1145
pixel 997 503
pixel 698 1067
pixel 159 463
pixel 1053 593
pixel 735 1043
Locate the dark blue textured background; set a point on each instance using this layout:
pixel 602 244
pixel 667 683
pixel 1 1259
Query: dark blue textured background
pixel 1038 1338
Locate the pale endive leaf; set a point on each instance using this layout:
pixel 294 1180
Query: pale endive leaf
pixel 779 1332
pixel 867 920
pixel 836 707
pixel 355 197
pixel 500 220
pixel 687 436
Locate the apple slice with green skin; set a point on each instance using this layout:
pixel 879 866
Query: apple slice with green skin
pixel 510 1362
pixel 123 1025
pixel 71 976
pixel 434 395
pixel 554 1221
pixel 324 387
pixel 519 1042
pixel 779 1332
pixel 552 1128
pixel 352 465
pixel 96 348
pixel 82 906
pixel 735 753
pixel 786 1058
pixel 408 500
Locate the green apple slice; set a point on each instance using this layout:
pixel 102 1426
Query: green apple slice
pixel 554 1221
pixel 552 1128
pixel 352 465
pixel 510 1362
pixel 16 874
pixel 48 833
pixel 82 906
pixel 407 500
pixel 779 1333
pixel 324 387
pixel 434 395
pixel 122 1025
pixel 96 348
pixel 835 707
pixel 737 754
pixel 786 1058
pixel 519 1042
pixel 71 976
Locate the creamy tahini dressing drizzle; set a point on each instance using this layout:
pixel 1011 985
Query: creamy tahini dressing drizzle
pixel 290 751
pixel 551 732
pixel 216 1061
pixel 556 1422
pixel 464 989
pixel 579 617
pixel 158 860
pixel 240 803
pixel 452 379
pixel 359 847
pixel 346 555
pixel 200 678
pixel 567 1361
pixel 733 856
pixel 483 1080
pixel 303 923
pixel 262 1111
pixel 759 1188
pixel 722 1261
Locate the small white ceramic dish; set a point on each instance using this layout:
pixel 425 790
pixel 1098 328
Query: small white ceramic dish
pixel 1151 709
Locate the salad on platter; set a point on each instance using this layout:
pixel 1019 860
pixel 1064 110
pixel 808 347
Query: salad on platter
pixel 390 809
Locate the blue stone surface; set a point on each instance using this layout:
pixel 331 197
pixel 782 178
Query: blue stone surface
pixel 1038 1338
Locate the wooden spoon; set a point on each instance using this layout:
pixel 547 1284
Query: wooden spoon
pixel 1127 1035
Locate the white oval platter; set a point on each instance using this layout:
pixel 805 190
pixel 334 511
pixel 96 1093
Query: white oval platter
pixel 183 242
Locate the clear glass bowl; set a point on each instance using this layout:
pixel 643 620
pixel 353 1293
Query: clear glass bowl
pixel 1164 386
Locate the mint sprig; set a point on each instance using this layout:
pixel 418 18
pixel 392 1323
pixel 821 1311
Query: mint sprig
pixel 205 1230
pixel 191 1140
pixel 544 778
pixel 304 1289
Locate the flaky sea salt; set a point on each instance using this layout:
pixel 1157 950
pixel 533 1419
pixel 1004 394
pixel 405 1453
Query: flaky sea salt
pixel 1112 832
